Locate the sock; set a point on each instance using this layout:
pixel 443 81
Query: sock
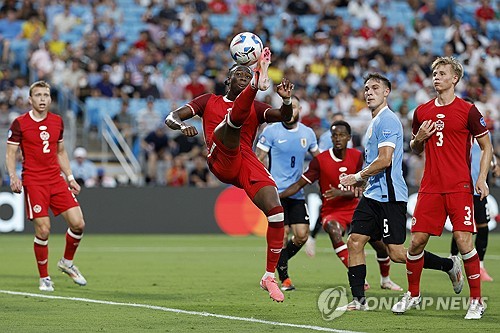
pixel 481 264
pixel 316 229
pixel 282 267
pixel 274 237
pixel 454 247
pixel 384 264
pixel 341 251
pixel 482 241
pixel 241 107
pixel 471 265
pixel 414 266
pixel 42 256
pixel 72 241
pixel 357 275
pixel 432 261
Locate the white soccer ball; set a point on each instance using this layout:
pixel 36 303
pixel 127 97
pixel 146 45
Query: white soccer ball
pixel 246 48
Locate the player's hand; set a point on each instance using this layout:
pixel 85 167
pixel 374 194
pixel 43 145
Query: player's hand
pixel 426 130
pixel 74 187
pixel 348 180
pixel 189 130
pixel 16 185
pixel 284 89
pixel 482 188
pixel 332 193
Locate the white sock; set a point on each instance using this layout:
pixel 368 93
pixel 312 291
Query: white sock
pixel 384 279
pixel 67 262
pixel 481 264
pixel 266 274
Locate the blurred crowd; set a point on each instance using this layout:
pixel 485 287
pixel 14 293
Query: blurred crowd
pixel 177 50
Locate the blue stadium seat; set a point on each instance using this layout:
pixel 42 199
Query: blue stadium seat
pixel 223 23
pixel 493 29
pixel 438 40
pixel 309 23
pixel 272 22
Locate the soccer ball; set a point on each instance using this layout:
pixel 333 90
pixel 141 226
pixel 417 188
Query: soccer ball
pixel 246 48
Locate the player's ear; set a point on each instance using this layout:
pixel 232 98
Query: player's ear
pixel 30 101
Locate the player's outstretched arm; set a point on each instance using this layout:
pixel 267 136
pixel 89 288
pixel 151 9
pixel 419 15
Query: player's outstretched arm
pixel 16 185
pixel 175 120
pixel 383 160
pixel 294 188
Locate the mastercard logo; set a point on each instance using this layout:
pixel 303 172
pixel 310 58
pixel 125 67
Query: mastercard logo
pixel 237 215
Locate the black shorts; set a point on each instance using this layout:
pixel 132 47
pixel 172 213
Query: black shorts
pixel 295 211
pixel 384 221
pixel 481 211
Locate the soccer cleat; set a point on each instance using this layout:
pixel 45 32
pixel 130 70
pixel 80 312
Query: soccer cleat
pixel 262 66
pixel 406 303
pixel 476 310
pixel 456 276
pixel 354 305
pixel 73 273
pixel 269 284
pixel 46 284
pixel 366 286
pixel 310 247
pixel 389 285
pixel 485 276
pixel 287 285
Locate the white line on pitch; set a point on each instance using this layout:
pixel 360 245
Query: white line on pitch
pixel 196 313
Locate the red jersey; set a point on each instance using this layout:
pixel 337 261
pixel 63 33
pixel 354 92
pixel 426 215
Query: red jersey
pixel 38 141
pixel 448 151
pixel 328 169
pixel 213 108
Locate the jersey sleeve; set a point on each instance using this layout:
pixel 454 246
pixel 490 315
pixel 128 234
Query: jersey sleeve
pixel 14 135
pixel 198 104
pixel 314 142
pixel 266 139
pixel 260 110
pixel 312 172
pixel 476 123
pixel 387 132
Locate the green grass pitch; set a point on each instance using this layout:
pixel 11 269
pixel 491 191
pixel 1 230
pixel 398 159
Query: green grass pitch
pixel 209 283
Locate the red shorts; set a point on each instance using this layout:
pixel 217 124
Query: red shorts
pixel 433 208
pixel 343 217
pixel 238 167
pixel 39 198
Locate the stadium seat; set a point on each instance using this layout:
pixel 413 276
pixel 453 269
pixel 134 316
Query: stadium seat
pixel 223 23
pixel 309 23
pixel 438 40
pixel 493 29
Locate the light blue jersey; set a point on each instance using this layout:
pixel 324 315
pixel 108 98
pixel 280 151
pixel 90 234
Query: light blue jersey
pixel 389 185
pixel 287 149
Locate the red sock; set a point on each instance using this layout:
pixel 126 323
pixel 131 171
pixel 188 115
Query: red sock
pixel 471 265
pixel 72 242
pixel 242 106
pixel 414 267
pixel 274 237
pixel 385 265
pixel 42 256
pixel 341 251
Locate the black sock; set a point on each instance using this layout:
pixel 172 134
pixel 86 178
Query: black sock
pixel 357 276
pixel 282 266
pixel 454 247
pixel 316 229
pixel 482 241
pixel 292 249
pixel 432 261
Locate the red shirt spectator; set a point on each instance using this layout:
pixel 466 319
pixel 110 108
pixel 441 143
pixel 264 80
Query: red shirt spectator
pixel 218 7
pixel 485 11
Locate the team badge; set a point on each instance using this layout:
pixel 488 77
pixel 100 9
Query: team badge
pixel 9 134
pixel 370 132
pixel 262 139
pixel 386 133
pixel 303 142
pixel 482 121
pixel 37 209
pixel 439 125
pixel 413 220
pixel 44 136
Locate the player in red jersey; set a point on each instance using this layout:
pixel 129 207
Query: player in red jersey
pixel 230 125
pixel 39 134
pixel 337 211
pixel 444 127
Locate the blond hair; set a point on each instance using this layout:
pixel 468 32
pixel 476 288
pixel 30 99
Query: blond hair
pixel 456 66
pixel 39 84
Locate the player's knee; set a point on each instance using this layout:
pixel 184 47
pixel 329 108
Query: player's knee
pixel 78 226
pixel 301 237
pixel 43 232
pixel 354 244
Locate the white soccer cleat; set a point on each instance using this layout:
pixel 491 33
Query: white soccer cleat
pixel 310 247
pixel 73 273
pixel 389 284
pixel 476 310
pixel 456 276
pixel 406 303
pixel 354 305
pixel 46 284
